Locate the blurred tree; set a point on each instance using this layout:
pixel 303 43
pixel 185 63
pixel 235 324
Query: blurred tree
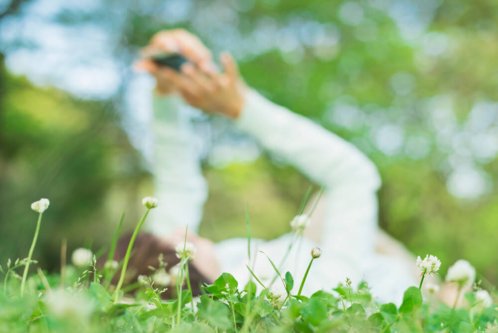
pixel 413 83
pixel 11 8
pixel 69 151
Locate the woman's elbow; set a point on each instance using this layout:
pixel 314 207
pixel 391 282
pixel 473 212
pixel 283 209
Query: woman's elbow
pixel 362 173
pixel 371 175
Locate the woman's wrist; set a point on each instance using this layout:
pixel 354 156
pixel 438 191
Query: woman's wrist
pixel 236 107
pixel 162 90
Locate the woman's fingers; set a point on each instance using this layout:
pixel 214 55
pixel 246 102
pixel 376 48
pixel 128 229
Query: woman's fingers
pixel 204 82
pixel 163 41
pixel 192 89
pixel 191 47
pixel 215 78
pixel 230 66
pixel 145 65
pixel 178 81
pixel 180 41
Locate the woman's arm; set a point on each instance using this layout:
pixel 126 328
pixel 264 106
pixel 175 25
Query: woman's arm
pixel 180 186
pixel 349 178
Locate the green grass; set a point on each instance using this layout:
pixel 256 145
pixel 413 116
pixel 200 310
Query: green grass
pixel 87 306
pixel 84 301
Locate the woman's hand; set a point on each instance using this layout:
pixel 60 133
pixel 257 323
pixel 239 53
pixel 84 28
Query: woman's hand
pixel 212 92
pixel 173 41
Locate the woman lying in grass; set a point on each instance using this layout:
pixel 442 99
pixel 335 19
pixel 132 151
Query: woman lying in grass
pixel 344 224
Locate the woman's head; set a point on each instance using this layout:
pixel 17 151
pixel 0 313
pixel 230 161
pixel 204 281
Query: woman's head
pixel 145 258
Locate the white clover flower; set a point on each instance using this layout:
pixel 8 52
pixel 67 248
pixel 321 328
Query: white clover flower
pixel 69 304
pixel 161 278
pixel 316 252
pixel 174 272
pixel 111 265
pixel 300 223
pixel 143 280
pixel 82 257
pixel 429 265
pixel 483 299
pixel 40 206
pixel 149 306
pixel 432 288
pixel 149 202
pixel 462 273
pixel 185 250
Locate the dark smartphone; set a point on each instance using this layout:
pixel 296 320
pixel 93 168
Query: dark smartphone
pixel 172 60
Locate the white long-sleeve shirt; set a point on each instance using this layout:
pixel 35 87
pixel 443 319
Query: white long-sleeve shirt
pixel 349 179
pixel 179 184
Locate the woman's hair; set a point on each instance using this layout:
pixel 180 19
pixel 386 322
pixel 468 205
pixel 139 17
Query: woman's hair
pixel 145 259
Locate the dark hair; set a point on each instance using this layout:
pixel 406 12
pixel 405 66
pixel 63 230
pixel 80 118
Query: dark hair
pixel 145 258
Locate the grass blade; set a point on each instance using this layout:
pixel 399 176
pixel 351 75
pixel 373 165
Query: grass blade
pixel 305 200
pixel 256 277
pixel 248 234
pixel 115 238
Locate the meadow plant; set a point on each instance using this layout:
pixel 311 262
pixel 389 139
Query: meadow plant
pixel 315 254
pixel 185 252
pixel 82 258
pixel 298 226
pixel 149 203
pixel 300 223
pixel 429 265
pixel 483 299
pixel 84 303
pixel 432 288
pixel 161 278
pixel 111 265
pixel 40 207
pixel 463 274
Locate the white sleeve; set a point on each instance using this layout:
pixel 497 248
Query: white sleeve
pixel 349 178
pixel 179 184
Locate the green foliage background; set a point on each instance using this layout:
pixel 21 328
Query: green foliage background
pixel 75 152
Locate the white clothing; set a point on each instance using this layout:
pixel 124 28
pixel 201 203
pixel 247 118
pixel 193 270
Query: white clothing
pixel 350 184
